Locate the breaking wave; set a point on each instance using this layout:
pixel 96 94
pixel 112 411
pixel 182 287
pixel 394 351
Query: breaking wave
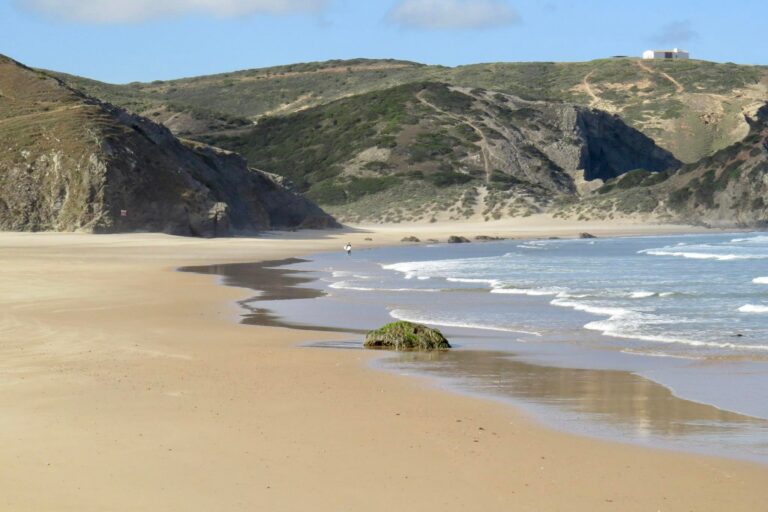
pixel 411 316
pixel 704 255
pixel 753 308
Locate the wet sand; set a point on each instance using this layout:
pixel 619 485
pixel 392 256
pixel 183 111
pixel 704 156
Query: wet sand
pixel 631 407
pixel 271 281
pixel 126 385
pixel 613 404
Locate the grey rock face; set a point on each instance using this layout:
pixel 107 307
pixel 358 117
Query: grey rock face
pixel 612 147
pixel 69 162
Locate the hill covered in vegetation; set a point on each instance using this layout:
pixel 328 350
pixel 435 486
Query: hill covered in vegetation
pixel 393 141
pixel 729 188
pixel 692 108
pixel 432 151
pixel 70 162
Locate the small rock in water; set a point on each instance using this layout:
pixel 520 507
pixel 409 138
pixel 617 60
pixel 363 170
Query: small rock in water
pixel 587 235
pixel 453 239
pixel 411 239
pixel 406 336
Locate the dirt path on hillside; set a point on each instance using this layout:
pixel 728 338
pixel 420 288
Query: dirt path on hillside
pixel 301 102
pixel 678 86
pixel 596 101
pixel 588 89
pixel 484 146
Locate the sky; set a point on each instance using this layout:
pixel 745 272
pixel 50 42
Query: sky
pixel 120 41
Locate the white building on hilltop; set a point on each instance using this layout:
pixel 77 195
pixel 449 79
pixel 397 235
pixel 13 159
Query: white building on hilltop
pixel 675 53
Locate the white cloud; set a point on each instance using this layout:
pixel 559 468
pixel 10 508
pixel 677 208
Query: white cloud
pixel 453 14
pixel 675 32
pixel 127 11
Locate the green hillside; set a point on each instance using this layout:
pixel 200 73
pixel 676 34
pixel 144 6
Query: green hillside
pixel 726 189
pixel 392 141
pixel 432 151
pixel 692 108
pixel 69 162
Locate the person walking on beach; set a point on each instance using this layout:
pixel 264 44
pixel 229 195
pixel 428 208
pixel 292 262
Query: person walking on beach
pixel 348 248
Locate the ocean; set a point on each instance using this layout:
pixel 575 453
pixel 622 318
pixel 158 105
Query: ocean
pixel 679 323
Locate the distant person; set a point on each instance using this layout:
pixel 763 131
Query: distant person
pixel 348 248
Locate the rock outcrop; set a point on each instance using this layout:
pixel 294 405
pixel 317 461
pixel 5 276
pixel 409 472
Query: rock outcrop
pixel 727 189
pixel 730 188
pixel 69 162
pixel 431 152
pixel 406 336
pixel 612 148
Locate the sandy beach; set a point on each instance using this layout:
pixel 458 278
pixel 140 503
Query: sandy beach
pixel 128 386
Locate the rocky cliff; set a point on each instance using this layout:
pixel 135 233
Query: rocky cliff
pixel 727 189
pixel 730 188
pixel 69 162
pixel 433 151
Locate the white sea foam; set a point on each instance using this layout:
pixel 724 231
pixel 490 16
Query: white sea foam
pixel 753 308
pixel 568 295
pixel 410 316
pixel 346 285
pixel 533 292
pixel 491 282
pixel 641 295
pixel 450 269
pixel 345 273
pixel 704 255
pixel 658 354
pixel 751 240
pixel 589 308
pixel 629 324
pixel 414 275
pixel 760 280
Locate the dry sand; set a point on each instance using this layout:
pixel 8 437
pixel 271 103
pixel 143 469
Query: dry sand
pixel 126 386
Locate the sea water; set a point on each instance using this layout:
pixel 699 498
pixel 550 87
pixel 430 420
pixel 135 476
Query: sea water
pixel 687 312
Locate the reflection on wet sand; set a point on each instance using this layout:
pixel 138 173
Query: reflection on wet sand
pixel 636 405
pixel 273 282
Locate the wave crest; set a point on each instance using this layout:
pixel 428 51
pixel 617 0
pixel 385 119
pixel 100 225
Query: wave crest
pixel 753 308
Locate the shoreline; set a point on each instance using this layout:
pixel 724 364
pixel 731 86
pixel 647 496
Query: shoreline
pixel 684 413
pixel 126 386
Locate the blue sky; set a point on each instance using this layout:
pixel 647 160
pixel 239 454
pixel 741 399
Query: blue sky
pixel 125 40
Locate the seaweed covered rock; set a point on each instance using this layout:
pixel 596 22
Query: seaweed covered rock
pixel 406 336
pixel 454 239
